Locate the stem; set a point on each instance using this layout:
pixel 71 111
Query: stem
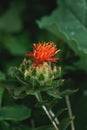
pixel 70 112
pixel 48 113
pixel 53 122
pixel 55 118
pixel 32 124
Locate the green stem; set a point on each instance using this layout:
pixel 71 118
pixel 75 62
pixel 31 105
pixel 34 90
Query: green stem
pixel 1 94
pixel 70 112
pixel 48 113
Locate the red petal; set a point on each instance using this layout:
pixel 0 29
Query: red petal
pixel 52 59
pixel 30 55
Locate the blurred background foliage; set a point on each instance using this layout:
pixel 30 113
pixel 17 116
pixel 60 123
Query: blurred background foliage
pixel 20 23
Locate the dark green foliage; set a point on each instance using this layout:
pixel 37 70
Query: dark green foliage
pixel 68 22
pixel 63 22
pixel 15 113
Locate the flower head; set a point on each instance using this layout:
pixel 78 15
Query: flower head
pixel 43 52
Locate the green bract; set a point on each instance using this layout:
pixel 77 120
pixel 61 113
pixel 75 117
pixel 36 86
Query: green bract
pixel 42 78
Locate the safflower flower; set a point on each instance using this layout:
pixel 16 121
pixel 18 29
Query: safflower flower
pixel 43 52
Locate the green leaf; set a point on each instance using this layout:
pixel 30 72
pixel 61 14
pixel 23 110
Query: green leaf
pixel 54 94
pixel 19 92
pixel 67 92
pixel 2 76
pixel 25 127
pixel 16 113
pixel 16 45
pixel 65 123
pixel 77 7
pixel 10 21
pixel 1 94
pixel 67 23
pixel 40 104
pixel 4 125
pixel 60 112
pixel 45 128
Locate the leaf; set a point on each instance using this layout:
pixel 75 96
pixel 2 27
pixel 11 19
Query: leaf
pixel 67 23
pixel 10 21
pixel 16 45
pixel 4 125
pixel 67 92
pixel 40 104
pixel 65 123
pixel 19 92
pixel 2 76
pixel 77 7
pixel 45 128
pixel 60 112
pixel 1 94
pixel 24 127
pixel 54 94
pixel 16 113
